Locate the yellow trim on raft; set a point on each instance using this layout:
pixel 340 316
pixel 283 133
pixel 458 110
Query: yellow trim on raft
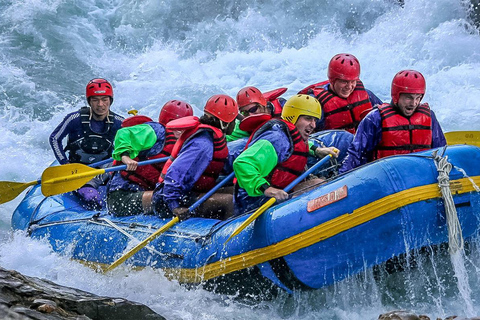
pixel 321 232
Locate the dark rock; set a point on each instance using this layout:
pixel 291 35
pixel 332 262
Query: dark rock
pixel 30 298
pixel 406 315
pixel 400 315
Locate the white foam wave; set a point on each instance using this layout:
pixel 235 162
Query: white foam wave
pixel 157 51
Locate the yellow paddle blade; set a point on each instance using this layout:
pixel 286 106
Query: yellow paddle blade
pixel 463 137
pixel 67 177
pixel 9 190
pixel 254 216
pixel 142 244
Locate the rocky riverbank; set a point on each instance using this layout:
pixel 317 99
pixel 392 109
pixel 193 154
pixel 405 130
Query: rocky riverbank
pixel 23 297
pixel 406 315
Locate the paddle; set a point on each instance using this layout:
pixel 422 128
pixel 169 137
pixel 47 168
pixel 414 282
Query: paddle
pixel 9 190
pixel 167 226
pixel 100 163
pixel 69 177
pixel 271 201
pixel 463 137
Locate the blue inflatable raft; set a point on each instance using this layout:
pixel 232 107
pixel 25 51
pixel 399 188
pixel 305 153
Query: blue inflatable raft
pixel 353 221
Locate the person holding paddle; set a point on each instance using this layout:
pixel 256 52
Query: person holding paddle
pixel 129 192
pixel 277 154
pixel 251 101
pixel 344 99
pixel 402 126
pixel 197 160
pixel 90 132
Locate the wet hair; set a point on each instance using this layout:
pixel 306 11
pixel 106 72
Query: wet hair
pixel 88 100
pixel 211 121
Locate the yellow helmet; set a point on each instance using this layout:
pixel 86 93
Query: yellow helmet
pixel 301 105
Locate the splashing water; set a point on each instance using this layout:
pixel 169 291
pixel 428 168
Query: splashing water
pixel 155 51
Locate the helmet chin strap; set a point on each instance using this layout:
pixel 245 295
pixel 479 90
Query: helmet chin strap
pixel 223 125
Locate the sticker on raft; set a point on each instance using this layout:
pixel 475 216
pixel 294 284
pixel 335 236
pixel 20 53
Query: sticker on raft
pixel 455 186
pixel 327 199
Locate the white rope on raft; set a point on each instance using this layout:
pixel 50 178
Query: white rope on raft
pixel 455 238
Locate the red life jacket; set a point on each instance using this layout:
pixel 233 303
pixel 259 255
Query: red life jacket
pixel 147 176
pixel 309 89
pixel 294 166
pixel 272 98
pixel 254 122
pixel 341 113
pixel 402 135
pixel 220 152
pixel 276 108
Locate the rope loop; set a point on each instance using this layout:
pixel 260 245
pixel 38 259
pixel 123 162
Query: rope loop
pixel 455 238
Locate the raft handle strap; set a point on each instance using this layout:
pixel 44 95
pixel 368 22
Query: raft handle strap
pixel 128 235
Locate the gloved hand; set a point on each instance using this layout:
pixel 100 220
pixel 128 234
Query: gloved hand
pixel 182 213
pixel 91 196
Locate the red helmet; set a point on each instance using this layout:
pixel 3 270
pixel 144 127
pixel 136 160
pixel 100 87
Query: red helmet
pixel 223 107
pixel 343 66
pixel 99 87
pixel 407 81
pixel 174 109
pixel 249 95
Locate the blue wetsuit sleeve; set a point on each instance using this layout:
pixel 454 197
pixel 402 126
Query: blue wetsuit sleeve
pixel 367 137
pixel 191 162
pixel 235 148
pixel 438 138
pixel 117 122
pixel 61 131
pixel 374 100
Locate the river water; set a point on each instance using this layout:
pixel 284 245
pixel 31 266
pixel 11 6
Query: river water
pixel 154 51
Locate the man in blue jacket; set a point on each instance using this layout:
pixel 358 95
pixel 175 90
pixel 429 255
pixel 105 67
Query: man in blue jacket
pixel 400 127
pixel 90 132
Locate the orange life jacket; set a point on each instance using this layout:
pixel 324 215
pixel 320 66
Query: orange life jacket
pixel 402 135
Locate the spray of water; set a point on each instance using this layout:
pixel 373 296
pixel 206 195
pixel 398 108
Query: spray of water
pixel 155 51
